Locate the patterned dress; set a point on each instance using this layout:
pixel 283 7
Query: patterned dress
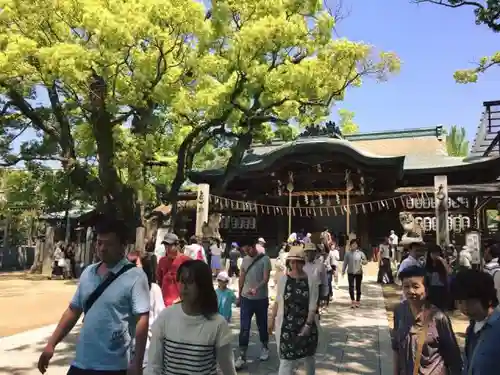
pixel 296 308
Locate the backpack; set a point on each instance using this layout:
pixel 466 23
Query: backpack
pixel 492 270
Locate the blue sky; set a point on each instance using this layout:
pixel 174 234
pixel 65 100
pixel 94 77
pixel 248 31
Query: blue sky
pixel 432 42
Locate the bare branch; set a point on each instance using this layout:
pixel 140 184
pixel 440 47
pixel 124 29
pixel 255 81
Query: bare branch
pixel 446 3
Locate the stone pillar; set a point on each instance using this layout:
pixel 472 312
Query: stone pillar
pixel 441 197
pixel 202 205
pixel 48 250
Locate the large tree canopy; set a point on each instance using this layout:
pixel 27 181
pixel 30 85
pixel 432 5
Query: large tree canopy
pixel 486 12
pixel 103 86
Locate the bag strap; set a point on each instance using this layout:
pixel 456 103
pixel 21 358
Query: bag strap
pixel 255 260
pixel 420 343
pixel 94 296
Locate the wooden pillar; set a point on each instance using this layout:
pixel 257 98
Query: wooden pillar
pixel 202 205
pixel 441 198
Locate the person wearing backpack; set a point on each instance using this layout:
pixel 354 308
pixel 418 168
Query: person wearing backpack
pixel 116 312
pixel 491 266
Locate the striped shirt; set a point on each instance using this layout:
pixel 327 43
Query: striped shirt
pixel 184 344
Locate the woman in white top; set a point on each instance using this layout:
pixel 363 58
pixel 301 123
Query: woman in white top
pixel 190 337
pixel 157 305
pixel 294 316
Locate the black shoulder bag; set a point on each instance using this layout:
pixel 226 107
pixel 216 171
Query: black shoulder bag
pixel 94 296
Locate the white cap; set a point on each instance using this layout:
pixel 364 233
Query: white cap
pixel 223 276
pixel 261 240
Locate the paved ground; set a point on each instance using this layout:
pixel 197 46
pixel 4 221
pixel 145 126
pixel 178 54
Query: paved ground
pixel 352 342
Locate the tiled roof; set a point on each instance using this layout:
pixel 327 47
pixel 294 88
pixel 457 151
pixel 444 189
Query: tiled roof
pixel 403 146
pixel 489 127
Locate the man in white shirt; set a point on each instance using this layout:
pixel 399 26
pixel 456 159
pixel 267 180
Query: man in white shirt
pixel 491 256
pixel 331 263
pixel 393 245
pixel 412 258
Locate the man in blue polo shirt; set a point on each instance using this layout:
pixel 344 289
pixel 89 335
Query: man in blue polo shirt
pixel 117 317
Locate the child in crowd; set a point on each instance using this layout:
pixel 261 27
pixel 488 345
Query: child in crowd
pixel 225 296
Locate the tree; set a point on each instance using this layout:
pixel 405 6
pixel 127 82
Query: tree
pixel 456 142
pixel 91 80
pixel 346 122
pixel 264 66
pixel 107 85
pixel 486 12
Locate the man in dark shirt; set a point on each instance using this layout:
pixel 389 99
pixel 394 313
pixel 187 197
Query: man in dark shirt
pixel 475 293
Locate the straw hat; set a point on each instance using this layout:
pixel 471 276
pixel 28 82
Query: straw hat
pixel 310 247
pixel 296 253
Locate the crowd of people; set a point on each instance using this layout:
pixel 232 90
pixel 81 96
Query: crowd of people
pixel 166 317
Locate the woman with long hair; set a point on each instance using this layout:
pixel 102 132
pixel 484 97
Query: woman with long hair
pixel 437 272
pixel 294 315
pixel 423 340
pixel 190 337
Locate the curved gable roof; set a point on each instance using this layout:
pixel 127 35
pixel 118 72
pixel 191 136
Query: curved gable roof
pixel 262 157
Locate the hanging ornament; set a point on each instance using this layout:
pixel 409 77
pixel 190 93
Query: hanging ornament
pixel 337 198
pixel 306 199
pixel 313 203
pixel 328 202
pixel 318 167
pixel 320 200
pixel 298 203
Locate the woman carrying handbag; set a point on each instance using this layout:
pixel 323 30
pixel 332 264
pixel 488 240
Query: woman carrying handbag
pixel 423 340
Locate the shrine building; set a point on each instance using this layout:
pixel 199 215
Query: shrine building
pixel 358 183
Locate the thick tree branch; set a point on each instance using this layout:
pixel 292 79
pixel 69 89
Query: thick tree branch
pixel 28 111
pixel 15 159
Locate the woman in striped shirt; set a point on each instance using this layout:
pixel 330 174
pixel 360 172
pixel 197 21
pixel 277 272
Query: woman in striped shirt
pixel 190 337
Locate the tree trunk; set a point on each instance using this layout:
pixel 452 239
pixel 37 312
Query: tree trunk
pixel 232 168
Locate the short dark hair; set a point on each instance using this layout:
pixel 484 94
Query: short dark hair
pixel 106 224
pixel 474 284
pixel 413 271
pixel 495 250
pixel 201 274
pixel 354 240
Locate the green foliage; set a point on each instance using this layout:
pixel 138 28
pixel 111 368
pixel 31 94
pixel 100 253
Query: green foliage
pixel 456 142
pixel 486 12
pixel 39 190
pixel 106 85
pixel 346 123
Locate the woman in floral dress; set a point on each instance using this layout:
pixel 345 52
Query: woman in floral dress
pixel 294 316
